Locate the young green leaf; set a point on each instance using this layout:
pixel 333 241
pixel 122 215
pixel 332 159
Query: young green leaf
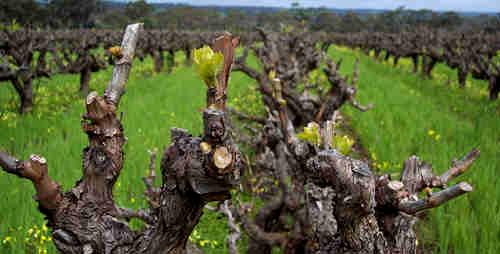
pixel 343 144
pixel 208 64
pixel 311 134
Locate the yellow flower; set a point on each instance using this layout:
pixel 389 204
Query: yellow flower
pixel 204 242
pixel 431 132
pixel 7 239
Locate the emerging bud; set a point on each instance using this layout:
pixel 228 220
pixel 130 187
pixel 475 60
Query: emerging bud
pixel 311 134
pixel 116 51
pixel 208 64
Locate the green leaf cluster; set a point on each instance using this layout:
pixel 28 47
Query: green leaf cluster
pixel 11 27
pixel 311 134
pixel 208 64
pixel 343 144
pixel 318 77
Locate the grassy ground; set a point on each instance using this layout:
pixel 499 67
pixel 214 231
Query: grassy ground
pixel 407 110
pixel 437 121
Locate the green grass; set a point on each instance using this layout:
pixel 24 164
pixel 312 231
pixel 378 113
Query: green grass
pixel 408 115
pixel 406 108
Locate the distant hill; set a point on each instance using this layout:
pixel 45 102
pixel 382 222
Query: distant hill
pixel 263 9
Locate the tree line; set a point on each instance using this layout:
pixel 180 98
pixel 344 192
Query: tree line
pixel 103 14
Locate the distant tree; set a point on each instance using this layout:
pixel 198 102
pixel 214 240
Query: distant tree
pixel 325 21
pixel 490 23
pixel 24 12
pixel 138 10
pixel 299 12
pixel 450 19
pixel 112 18
pixel 238 20
pixel 73 13
pixel 423 17
pixel 351 22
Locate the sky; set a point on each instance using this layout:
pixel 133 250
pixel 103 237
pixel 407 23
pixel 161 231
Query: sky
pixel 442 5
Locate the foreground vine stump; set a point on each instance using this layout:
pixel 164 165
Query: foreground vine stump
pixel 317 200
pixel 326 202
pixel 195 170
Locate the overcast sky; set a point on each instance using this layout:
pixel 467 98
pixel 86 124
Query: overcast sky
pixel 456 5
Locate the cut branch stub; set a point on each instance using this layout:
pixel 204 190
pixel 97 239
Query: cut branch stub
pixel 222 158
pixel 9 163
pixel 389 192
pixel 35 169
pixel 187 168
pixel 217 143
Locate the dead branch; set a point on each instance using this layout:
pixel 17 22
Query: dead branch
pixel 436 199
pixel 116 86
pixel 460 166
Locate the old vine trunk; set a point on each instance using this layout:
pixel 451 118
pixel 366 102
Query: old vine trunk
pixel 195 170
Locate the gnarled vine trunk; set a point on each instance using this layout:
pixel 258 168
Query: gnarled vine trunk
pixel 316 200
pixel 195 170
